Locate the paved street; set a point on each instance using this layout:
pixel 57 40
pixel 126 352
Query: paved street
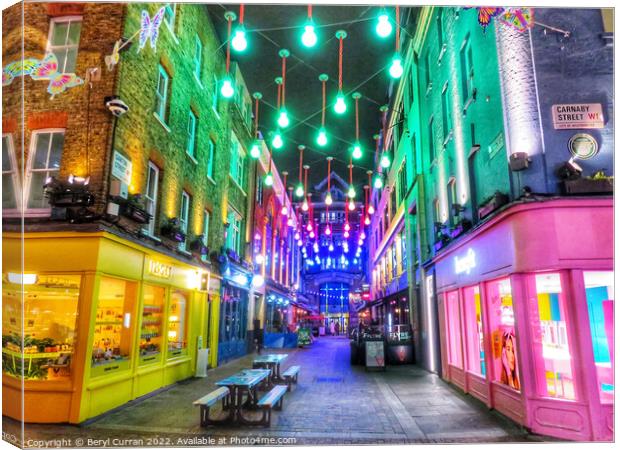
pixel 333 403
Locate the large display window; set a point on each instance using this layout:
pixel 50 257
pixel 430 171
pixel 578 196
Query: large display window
pixel 49 328
pixel 112 334
pixel 550 346
pixel 600 299
pixel 177 324
pixel 503 337
pixel 474 335
pixel 151 328
pixel 453 320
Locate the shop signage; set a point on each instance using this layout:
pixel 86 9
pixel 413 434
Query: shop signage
pixel 159 269
pixel 578 115
pixel 583 146
pixel 465 263
pixel 121 168
pixel 496 145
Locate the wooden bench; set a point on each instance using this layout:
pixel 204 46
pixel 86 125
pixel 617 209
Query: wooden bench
pixel 210 400
pixel 271 400
pixel 290 375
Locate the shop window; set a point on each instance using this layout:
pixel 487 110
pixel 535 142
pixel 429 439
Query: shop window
pixel 112 340
pixel 551 350
pixel 600 299
pixel 49 307
pixel 453 321
pixel 503 338
pixel 10 184
pixel 177 325
pixel 151 339
pixel 44 162
pixel 474 336
pixel 63 42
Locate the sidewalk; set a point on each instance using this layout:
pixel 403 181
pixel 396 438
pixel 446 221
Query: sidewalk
pixel 333 403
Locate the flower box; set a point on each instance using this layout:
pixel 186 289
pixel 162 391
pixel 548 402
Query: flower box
pixel 588 186
pixel 495 202
pixel 135 213
pixel 197 246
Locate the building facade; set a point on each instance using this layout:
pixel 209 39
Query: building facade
pixel 138 178
pixel 507 167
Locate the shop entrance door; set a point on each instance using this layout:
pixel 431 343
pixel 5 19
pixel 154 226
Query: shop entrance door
pixel 233 324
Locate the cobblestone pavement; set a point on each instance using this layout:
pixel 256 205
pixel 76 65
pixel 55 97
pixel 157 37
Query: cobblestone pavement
pixel 333 403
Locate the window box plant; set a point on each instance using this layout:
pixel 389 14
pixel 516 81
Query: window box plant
pixel 598 183
pixel 198 247
pixel 134 209
pixel 496 201
pixel 172 230
pixel 460 228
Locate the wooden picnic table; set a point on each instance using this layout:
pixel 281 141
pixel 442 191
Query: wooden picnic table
pixel 245 382
pixel 272 361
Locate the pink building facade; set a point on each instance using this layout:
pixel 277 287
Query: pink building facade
pixel 525 307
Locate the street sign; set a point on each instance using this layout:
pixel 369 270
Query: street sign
pixel 578 115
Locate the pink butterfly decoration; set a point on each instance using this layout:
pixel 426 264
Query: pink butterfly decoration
pixel 150 28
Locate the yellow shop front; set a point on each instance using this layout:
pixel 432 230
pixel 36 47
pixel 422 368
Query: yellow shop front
pixel 106 320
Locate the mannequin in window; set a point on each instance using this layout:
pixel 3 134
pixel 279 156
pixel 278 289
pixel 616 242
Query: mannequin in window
pixel 510 375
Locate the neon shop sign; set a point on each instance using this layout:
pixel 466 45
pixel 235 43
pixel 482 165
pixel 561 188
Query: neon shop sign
pixel 465 263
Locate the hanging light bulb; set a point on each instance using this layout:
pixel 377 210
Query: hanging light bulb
pixel 255 150
pixel 351 205
pixel 315 247
pixel 308 38
pixel 289 222
pixel 299 190
pixel 396 69
pixel 304 205
pixel 371 210
pixel 260 259
pixel 347 227
pixel 239 42
pixel 346 248
pixel 346 235
pixel 357 151
pixel 277 141
pixel 385 161
pixel 269 179
pixel 227 90
pixel 321 138
pixel 351 192
pixel 340 107
pixel 331 247
pixel 362 235
pixel 328 230
pixel 283 120
pixel 309 226
pixel 384 27
pixel 367 221
pixel 360 242
pixel 328 199
pixel 284 210
pixel 300 243
pixel 311 234
pixel 297 236
pixel 378 183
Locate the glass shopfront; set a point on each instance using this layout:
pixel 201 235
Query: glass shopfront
pixel 49 329
pixel 453 321
pixel 233 323
pixel 177 324
pixel 474 334
pixel 151 332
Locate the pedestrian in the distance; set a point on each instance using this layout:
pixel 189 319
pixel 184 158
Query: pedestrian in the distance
pixel 332 328
pixel 337 328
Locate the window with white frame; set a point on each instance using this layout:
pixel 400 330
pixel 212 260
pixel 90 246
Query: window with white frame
pixel 43 162
pixel 162 94
pixel 150 195
pixel 64 39
pixel 190 148
pixel 234 232
pixel 211 156
pixel 206 218
pixel 237 161
pixel 10 184
pixel 186 200
pixel 170 14
pixel 198 59
pixel 467 70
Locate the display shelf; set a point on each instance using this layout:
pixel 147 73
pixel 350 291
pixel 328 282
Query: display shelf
pixel 48 355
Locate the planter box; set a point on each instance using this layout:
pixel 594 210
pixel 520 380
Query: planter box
pixel 497 201
pixel 587 186
pixel 69 198
pixel 135 213
pixel 173 233
pixel 460 228
pixel 198 247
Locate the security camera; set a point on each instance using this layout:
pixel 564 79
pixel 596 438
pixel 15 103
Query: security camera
pixel 116 106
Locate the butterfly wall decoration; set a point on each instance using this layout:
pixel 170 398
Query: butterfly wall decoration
pixel 519 18
pixel 41 69
pixel 149 28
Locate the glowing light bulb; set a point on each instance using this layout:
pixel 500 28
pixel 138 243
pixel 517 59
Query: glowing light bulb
pixel 328 199
pixel 351 192
pixel 385 161
pixel 283 119
pixel 384 27
pixel 347 227
pixel 340 107
pixel 351 206
pixel 309 226
pixel 289 222
pixel 277 141
pixel 378 184
pixel 309 37
pixel 260 259
pixel 269 179
pixel 367 220
pixel 297 236
pixel 300 243
pixel 239 42
pixel 227 90
pixel 362 235
pixel 346 235
pixel 255 150
pixel 284 211
pixel 371 210
pixel 357 151
pixel 311 234
pixel 360 242
pixel 321 139
pixel 304 205
pixel 315 247
pixel 328 231
pixel 331 247
pixel 299 190
pixel 396 69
